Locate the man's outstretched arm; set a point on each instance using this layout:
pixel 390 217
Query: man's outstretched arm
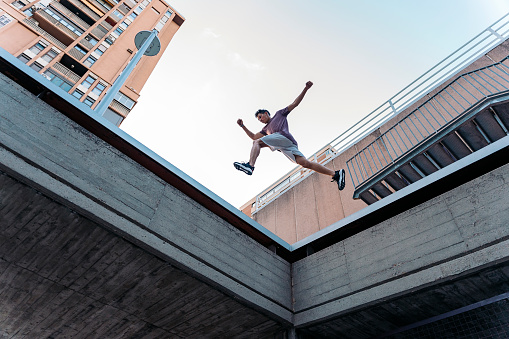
pixel 248 132
pixel 300 97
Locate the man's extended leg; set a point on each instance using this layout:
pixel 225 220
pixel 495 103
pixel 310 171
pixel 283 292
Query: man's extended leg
pixel 313 166
pixel 255 151
pixel 337 176
pixel 248 167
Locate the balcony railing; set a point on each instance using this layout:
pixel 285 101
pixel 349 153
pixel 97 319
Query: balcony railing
pixel 459 59
pixel 66 72
pixel 35 27
pixel 121 109
pixel 368 166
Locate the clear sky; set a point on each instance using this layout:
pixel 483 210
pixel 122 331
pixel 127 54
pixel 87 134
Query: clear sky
pixel 232 57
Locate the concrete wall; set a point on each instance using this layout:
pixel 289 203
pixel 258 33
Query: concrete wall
pixel 293 220
pixel 457 232
pixel 42 147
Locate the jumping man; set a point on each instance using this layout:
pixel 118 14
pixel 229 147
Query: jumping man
pixel 276 135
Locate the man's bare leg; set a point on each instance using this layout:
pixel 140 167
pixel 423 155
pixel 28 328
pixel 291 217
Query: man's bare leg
pixel 255 151
pixel 337 176
pixel 313 166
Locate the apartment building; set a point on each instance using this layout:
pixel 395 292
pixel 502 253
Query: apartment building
pixel 83 46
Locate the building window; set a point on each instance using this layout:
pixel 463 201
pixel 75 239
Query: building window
pixel 101 49
pixel 37 48
pixel 89 101
pixel 57 80
pixel 166 16
pixel 36 66
pixel 90 61
pixel 19 4
pixel 163 21
pixel 29 11
pixel 123 25
pixel 5 19
pixel 99 88
pixel 118 15
pixel 24 58
pixel 88 81
pixel 50 55
pixel 133 16
pixel 124 100
pixel 119 31
pixel 78 94
pixel 104 4
pixel 91 39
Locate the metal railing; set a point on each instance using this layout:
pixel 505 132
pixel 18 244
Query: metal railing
pixel 34 26
pixel 428 119
pixel 290 179
pixel 66 72
pixel 485 41
pixel 119 108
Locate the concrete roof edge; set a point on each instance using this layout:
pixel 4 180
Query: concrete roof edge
pixel 407 191
pixel 145 151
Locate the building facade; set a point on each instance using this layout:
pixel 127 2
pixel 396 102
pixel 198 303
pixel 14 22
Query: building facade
pixel 82 46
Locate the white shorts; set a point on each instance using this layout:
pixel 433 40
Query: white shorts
pixel 278 142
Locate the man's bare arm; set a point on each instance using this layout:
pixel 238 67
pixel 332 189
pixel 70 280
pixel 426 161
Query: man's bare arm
pixel 250 134
pixel 300 97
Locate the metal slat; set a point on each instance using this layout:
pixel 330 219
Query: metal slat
pixel 395 181
pixel 424 164
pixel 471 135
pixel 381 190
pixel 368 197
pixel 489 125
pixel 409 173
pixel 440 156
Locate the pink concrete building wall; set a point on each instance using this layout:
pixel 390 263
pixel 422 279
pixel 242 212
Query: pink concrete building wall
pixel 23 28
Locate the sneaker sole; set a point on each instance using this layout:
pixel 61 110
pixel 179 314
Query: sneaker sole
pixel 341 181
pixel 242 169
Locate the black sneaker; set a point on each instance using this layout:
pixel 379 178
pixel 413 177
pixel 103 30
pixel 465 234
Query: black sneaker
pixel 339 177
pixel 244 167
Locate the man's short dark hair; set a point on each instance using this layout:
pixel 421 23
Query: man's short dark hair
pixel 261 111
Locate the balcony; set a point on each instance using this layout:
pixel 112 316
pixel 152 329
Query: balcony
pixel 55 27
pixel 119 108
pixel 66 73
pixel 34 25
pixel 70 15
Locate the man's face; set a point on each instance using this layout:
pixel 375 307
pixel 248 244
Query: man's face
pixel 263 117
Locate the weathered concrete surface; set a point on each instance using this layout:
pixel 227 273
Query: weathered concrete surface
pixel 459 234
pixel 43 149
pixel 93 244
pixel 64 276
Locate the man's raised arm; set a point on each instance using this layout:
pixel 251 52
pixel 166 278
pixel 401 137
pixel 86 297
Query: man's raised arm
pixel 248 132
pixel 300 97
